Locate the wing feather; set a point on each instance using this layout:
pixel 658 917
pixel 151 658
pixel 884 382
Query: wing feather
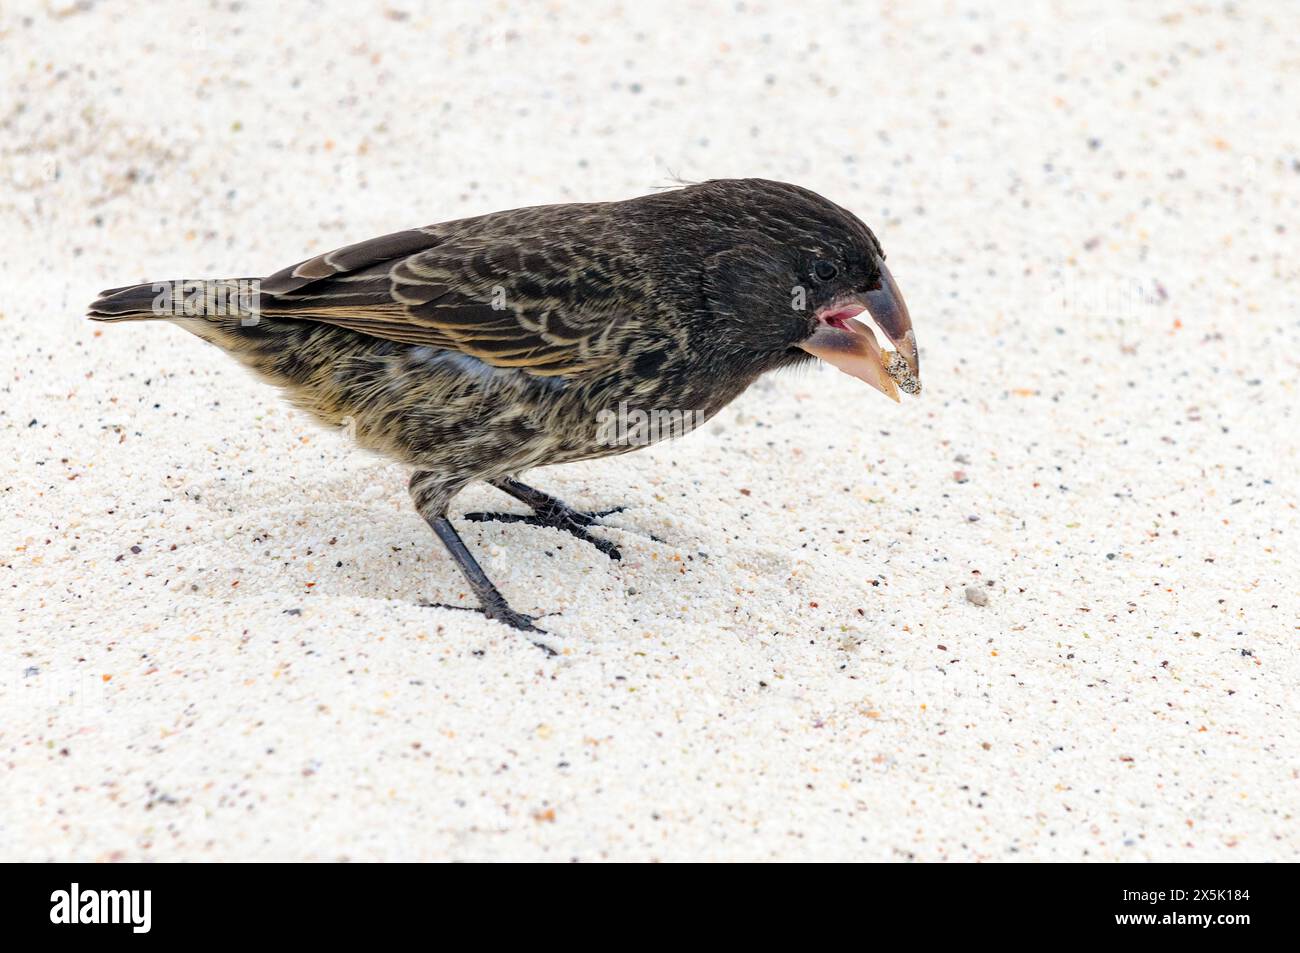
pixel 534 289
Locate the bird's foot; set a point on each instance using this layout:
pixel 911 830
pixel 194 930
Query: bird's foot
pixel 505 615
pixel 592 518
pixel 561 517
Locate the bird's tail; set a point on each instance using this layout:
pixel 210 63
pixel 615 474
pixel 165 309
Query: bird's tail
pixel 220 301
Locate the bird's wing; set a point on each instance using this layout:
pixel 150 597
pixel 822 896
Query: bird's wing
pixel 514 290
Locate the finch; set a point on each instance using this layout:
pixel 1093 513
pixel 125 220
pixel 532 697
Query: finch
pixel 480 348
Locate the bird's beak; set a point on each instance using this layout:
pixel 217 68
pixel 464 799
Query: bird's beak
pixel 851 346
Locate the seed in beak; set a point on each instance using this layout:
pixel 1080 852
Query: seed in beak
pixel 898 367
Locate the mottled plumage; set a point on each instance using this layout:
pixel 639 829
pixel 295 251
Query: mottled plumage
pixel 480 348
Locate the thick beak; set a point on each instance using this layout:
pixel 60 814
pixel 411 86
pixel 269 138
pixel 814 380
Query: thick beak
pixel 851 346
pixel 889 311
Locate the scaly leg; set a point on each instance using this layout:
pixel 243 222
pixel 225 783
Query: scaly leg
pixel 492 603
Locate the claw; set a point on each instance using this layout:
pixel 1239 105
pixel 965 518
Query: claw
pixel 506 616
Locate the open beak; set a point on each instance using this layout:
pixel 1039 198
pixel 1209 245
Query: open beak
pixel 851 346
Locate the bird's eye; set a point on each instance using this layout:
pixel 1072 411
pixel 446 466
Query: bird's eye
pixel 824 270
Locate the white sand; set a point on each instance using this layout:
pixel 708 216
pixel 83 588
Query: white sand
pixel 1092 213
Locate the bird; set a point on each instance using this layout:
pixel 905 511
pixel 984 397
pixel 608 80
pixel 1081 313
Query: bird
pixel 480 348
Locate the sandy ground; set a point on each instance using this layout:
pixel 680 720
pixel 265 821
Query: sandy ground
pixel 211 639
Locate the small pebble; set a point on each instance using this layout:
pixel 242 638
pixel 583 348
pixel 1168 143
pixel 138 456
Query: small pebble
pixel 976 597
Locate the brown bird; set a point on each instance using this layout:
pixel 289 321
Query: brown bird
pixel 480 348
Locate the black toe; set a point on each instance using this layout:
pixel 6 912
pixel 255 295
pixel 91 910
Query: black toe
pixel 506 616
pixel 569 521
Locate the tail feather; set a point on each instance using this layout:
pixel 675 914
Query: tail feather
pixel 163 300
pixel 130 302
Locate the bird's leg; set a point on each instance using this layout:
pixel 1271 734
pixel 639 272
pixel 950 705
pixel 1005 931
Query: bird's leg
pixel 550 511
pixel 491 603
pixel 549 507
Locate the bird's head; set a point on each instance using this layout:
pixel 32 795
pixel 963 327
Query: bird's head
pixel 799 273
